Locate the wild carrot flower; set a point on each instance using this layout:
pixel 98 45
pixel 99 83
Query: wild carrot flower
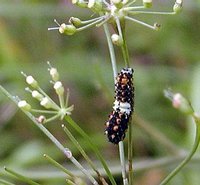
pixel 114 12
pixel 51 108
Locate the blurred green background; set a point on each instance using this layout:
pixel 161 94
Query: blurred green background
pixel 168 58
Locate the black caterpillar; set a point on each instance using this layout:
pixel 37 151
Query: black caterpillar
pixel 117 123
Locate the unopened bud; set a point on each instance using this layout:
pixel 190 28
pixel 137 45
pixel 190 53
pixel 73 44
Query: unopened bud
pixel 178 6
pixel 31 81
pixel 41 119
pixel 24 105
pixel 54 74
pixel 117 40
pixel 181 103
pixel 157 26
pixel 147 3
pixel 37 95
pixel 67 29
pixel 80 3
pixel 91 3
pixel 45 102
pixel 75 21
pixel 59 88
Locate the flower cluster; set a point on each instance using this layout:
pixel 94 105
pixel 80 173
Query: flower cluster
pixel 51 108
pixel 115 12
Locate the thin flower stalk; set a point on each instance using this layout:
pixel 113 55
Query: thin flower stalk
pixel 93 147
pixel 4 182
pixel 121 145
pixel 20 177
pixel 78 146
pixel 65 151
pixel 181 103
pixel 188 158
pixel 56 164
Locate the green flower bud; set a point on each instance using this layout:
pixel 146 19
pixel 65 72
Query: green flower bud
pixel 147 3
pixel 54 74
pixel 75 21
pixel 67 29
pixel 91 3
pixel 31 81
pixel 59 88
pixel 181 103
pixel 178 6
pixel 117 40
pixel 37 95
pixel 45 102
pixel 24 105
pixel 80 3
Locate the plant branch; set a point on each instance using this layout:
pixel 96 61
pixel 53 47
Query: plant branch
pixel 92 145
pixel 187 159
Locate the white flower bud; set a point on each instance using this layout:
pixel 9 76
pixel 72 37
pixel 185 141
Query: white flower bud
pixel 147 3
pixel 59 88
pixel 116 39
pixel 41 119
pixel 91 3
pixel 178 6
pixel 45 102
pixel 181 103
pixel 54 74
pixel 31 81
pixel 67 29
pixel 24 105
pixel 37 95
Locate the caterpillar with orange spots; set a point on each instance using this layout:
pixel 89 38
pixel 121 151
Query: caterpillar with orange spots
pixel 123 107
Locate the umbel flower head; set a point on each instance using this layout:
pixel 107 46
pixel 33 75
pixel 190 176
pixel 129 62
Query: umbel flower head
pixel 50 107
pixel 115 12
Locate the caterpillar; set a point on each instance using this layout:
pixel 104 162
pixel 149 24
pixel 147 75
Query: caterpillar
pixel 123 107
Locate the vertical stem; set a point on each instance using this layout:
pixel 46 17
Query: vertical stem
pixel 111 51
pixel 123 164
pixel 127 63
pixel 187 159
pixel 121 145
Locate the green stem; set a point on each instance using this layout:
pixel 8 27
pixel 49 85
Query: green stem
pixel 20 177
pixel 123 163
pixel 90 162
pixel 56 164
pixel 93 147
pixel 3 182
pixel 66 151
pixel 111 51
pixel 130 141
pixel 187 159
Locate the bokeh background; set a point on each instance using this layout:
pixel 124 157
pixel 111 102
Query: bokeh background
pixel 165 59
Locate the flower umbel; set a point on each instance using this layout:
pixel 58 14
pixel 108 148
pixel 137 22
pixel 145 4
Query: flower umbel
pixel 115 12
pixel 51 108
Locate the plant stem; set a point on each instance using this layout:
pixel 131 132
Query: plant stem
pixel 123 164
pixel 20 177
pixel 130 141
pixel 66 151
pixel 3 182
pixel 111 51
pixel 56 164
pixel 72 138
pixel 187 159
pixel 92 145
